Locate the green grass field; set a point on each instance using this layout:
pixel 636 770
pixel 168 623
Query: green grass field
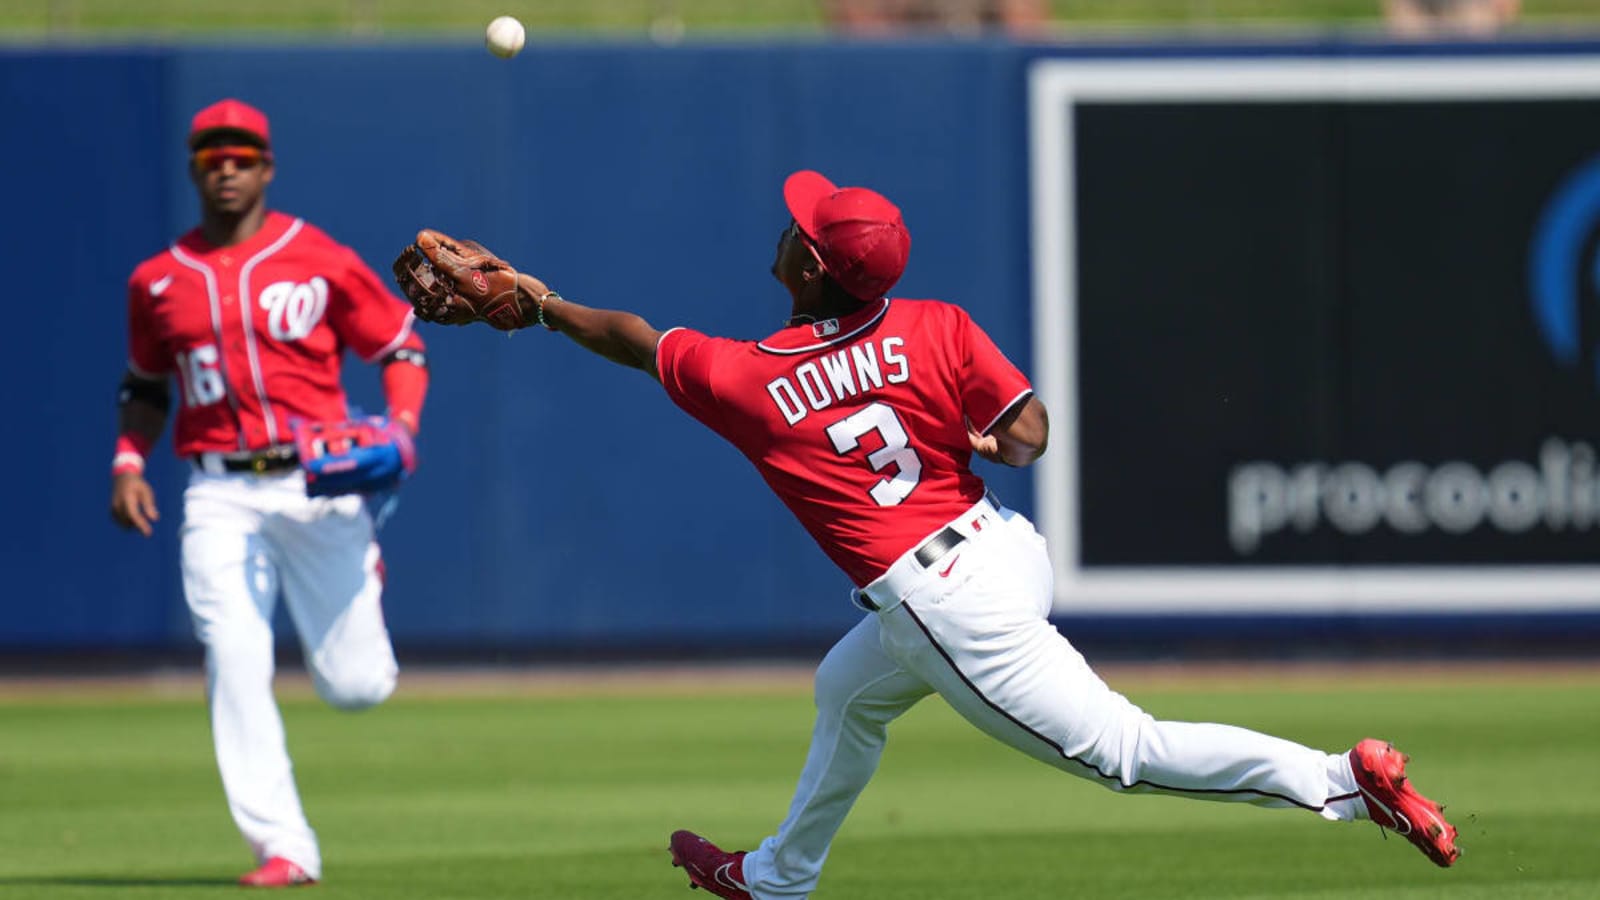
pixel 512 792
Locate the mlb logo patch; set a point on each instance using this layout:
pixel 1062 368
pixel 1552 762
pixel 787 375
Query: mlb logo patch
pixel 825 328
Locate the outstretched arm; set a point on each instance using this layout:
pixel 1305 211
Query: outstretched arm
pixel 456 282
pixel 621 337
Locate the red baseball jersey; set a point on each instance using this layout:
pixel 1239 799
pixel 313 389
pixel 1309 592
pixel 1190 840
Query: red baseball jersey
pixel 858 424
pixel 256 332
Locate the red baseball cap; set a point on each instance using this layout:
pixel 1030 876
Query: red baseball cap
pixel 858 233
pixel 230 115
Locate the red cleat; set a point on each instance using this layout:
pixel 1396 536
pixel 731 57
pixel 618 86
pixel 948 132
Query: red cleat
pixel 276 872
pixel 1393 804
pixel 709 866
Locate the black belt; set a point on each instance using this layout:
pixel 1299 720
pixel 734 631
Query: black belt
pixel 947 539
pixel 943 542
pixel 273 460
pixel 929 553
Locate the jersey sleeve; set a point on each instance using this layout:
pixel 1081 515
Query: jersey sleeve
pixel 990 383
pixel 147 357
pixel 686 361
pixel 368 318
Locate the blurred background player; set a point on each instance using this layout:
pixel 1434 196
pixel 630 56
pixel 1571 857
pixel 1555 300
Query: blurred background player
pixel 1018 17
pixel 1449 18
pixel 862 416
pixel 251 311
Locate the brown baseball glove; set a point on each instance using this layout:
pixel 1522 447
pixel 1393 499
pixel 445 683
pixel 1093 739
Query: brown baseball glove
pixel 456 282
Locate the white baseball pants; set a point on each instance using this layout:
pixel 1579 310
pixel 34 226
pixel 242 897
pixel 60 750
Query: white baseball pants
pixel 245 539
pixel 972 627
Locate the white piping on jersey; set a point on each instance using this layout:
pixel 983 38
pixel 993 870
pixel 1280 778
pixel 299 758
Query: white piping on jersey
pixel 1005 409
pixel 405 331
pixel 836 339
pixel 659 338
pixel 245 304
pixel 214 298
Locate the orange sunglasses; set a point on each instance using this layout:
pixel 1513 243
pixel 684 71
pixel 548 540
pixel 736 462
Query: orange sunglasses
pixel 209 158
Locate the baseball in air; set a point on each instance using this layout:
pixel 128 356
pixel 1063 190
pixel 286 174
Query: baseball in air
pixel 505 37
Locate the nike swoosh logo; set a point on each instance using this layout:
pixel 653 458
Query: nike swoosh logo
pixel 724 879
pixel 946 572
pixel 160 285
pixel 1394 815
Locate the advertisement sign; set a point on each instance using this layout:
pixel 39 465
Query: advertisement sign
pixel 1319 335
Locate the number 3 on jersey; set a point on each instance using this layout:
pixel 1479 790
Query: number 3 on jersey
pixel 846 435
pixel 201 377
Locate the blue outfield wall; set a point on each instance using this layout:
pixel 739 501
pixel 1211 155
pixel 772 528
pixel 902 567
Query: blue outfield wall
pixel 562 502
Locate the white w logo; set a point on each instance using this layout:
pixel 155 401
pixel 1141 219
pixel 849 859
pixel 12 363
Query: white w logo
pixel 294 309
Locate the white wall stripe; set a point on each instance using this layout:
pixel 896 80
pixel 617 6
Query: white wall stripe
pixel 1056 87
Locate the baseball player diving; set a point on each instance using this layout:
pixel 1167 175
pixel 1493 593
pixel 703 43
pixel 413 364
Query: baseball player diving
pixel 249 314
pixel 862 415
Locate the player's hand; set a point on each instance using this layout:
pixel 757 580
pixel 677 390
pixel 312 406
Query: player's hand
pixel 133 503
pixel 985 446
pixel 454 282
pixel 407 421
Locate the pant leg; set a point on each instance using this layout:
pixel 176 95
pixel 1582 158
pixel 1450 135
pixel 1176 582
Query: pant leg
pixel 230 581
pixel 859 691
pixel 333 585
pixel 981 638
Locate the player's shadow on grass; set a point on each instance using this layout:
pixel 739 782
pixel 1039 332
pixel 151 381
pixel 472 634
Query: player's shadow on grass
pixel 115 881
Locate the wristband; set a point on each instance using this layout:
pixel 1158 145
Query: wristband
pixel 539 317
pixel 132 448
pixel 123 463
